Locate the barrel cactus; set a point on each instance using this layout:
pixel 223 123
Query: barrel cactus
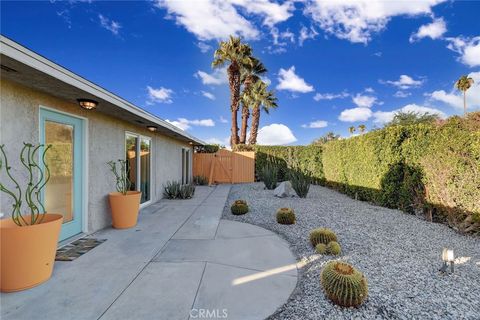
pixel 333 248
pixel 322 235
pixel 239 207
pixel 321 248
pixel 343 284
pixel 285 216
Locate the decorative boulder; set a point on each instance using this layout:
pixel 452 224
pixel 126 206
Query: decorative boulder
pixel 284 190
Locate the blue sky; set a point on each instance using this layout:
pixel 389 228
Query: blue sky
pixel 333 64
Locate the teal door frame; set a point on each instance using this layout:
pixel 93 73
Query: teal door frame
pixel 74 227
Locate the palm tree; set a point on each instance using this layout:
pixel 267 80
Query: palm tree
pixel 259 97
pixel 463 84
pixel 238 54
pixel 250 74
pixel 352 130
pixel 362 128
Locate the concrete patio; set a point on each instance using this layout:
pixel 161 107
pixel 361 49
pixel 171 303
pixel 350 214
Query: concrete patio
pixel 180 262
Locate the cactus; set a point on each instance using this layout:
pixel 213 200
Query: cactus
pixel 321 248
pixel 186 191
pixel 239 207
pixel 270 175
pixel 333 248
pixel 285 216
pixel 343 284
pixel 322 235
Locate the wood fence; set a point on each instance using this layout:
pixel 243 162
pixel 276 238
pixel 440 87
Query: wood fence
pixel 225 166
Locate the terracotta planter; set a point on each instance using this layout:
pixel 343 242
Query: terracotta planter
pixel 124 208
pixel 28 253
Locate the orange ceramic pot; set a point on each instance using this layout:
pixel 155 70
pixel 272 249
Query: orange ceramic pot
pixel 124 209
pixel 28 253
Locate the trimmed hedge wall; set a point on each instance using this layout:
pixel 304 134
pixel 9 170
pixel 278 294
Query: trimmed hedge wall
pixel 306 158
pixel 431 169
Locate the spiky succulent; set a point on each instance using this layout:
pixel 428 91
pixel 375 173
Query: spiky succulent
pixel 322 235
pixel 333 248
pixel 343 284
pixel 321 248
pixel 285 216
pixel 239 207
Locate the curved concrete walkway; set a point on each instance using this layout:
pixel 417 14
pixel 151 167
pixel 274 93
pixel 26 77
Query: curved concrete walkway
pixel 181 262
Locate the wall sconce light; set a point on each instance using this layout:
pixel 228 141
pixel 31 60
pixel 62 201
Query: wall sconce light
pixel 190 143
pixel 152 128
pixel 87 104
pixel 448 258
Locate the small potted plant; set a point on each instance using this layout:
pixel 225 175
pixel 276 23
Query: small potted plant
pixel 28 241
pixel 124 203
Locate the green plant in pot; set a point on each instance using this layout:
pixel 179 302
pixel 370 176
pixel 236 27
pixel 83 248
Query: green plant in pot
pixel 28 241
pixel 125 204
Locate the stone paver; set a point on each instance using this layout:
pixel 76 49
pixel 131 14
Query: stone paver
pixel 179 262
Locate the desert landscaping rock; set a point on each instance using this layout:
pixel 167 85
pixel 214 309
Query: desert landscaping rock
pixel 398 253
pixel 284 190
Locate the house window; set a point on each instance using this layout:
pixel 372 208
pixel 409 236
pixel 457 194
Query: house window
pixel 139 158
pixel 185 166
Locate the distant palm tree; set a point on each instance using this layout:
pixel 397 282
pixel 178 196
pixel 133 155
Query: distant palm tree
pixel 238 55
pixel 362 128
pixel 352 130
pixel 250 74
pixel 463 84
pixel 260 98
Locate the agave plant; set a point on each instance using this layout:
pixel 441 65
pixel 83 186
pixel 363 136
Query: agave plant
pixel 38 177
pixel 123 184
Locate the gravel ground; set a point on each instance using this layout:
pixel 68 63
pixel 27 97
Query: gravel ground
pixel 398 253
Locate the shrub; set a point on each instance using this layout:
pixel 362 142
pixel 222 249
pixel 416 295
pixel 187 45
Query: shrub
pixel 321 248
pixel 269 176
pixel 322 235
pixel 334 248
pixel 208 148
pixel 200 180
pixel 239 207
pixel 285 216
pixel 175 190
pixel 343 284
pixel 300 183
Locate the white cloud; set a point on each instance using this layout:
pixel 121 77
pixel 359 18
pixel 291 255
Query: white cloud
pixel 330 96
pixel 363 101
pixel 290 81
pixel 275 134
pixel 404 82
pixel 110 25
pixel 355 114
pixel 218 19
pixel 208 95
pixel 467 48
pixel 306 34
pixel 369 90
pixel 223 120
pixel 382 117
pixel 454 98
pixel 217 77
pixel 204 47
pixel 186 124
pixel 401 94
pixel 358 20
pixel 161 95
pixel 433 30
pixel 316 124
pixel 378 54
pixel 223 142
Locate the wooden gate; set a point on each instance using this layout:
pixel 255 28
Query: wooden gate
pixel 225 166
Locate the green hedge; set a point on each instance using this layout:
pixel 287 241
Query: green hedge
pixel 431 169
pixel 307 159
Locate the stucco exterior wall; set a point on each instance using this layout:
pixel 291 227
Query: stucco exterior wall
pixel 19 121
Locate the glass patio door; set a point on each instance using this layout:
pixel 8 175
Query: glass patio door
pixel 63 193
pixel 138 155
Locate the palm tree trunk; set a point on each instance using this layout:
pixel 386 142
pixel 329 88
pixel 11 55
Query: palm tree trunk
pixel 234 83
pixel 243 128
pixel 255 124
pixel 464 102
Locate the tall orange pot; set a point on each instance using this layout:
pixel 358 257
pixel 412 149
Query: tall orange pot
pixel 124 209
pixel 28 253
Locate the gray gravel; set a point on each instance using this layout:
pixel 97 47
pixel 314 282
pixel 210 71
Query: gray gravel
pixel 398 253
